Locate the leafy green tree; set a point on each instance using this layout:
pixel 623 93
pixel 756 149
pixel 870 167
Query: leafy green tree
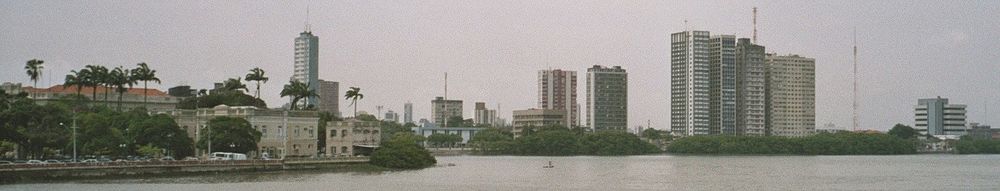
pixel 615 143
pixel 354 94
pixel 149 150
pixel 234 84
pixel 402 152
pixel 31 126
pixel 230 134
pixel 366 117
pixel 256 75
pixel 456 121
pixel 221 98
pixel 553 142
pixel 492 141
pixel 145 75
pixel 34 70
pixel 439 139
pixel 903 131
pixel 389 128
pixel 162 132
pixel 847 143
pixel 298 91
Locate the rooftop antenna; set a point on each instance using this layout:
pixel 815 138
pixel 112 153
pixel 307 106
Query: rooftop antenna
pixel 755 25
pixel 856 122
pixel 686 28
pixel 307 19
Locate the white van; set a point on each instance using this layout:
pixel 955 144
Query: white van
pixel 228 156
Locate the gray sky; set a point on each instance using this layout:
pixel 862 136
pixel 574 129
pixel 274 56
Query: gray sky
pixel 397 51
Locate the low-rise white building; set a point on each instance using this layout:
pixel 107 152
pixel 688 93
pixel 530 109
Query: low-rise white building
pixel 283 133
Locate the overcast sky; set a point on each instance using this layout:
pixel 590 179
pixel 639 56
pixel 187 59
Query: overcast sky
pixel 398 51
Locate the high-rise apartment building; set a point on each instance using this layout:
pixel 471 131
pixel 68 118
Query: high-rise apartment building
pixel 935 116
pixel 790 93
pixel 607 98
pixel 329 99
pixel 557 91
pixel 444 109
pixel 750 84
pixel 408 112
pixel 722 84
pixel 484 116
pixel 391 116
pixel 689 83
pixel 307 63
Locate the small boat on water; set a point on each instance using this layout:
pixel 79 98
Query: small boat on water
pixel 549 166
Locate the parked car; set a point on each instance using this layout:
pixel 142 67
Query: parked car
pixel 167 158
pixel 35 162
pixel 103 160
pixel 53 161
pixel 190 158
pixel 89 161
pixel 3 162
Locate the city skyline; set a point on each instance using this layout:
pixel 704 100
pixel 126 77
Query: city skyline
pixel 362 39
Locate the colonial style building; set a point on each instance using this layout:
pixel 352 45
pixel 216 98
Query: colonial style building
pixel 283 133
pixel 344 138
pixel 155 100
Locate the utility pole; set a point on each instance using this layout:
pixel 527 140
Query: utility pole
pixel 284 143
pixel 74 137
pixel 445 101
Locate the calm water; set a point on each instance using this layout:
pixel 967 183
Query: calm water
pixel 911 172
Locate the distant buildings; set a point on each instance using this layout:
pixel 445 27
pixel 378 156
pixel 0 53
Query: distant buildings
pixel 791 95
pixel 724 85
pixel 408 112
pixel 690 83
pixel 557 91
pixel 537 118
pixel 465 132
pixel 444 109
pixel 607 98
pixel 329 97
pixel 155 100
pixel 391 116
pixel 483 115
pixel 750 88
pixel 306 68
pixel 982 132
pixel 935 116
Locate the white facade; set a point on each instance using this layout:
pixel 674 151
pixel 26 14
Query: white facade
pixel 791 95
pixel 306 68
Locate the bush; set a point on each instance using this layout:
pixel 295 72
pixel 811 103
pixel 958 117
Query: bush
pixel 402 152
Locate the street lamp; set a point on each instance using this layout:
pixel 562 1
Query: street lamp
pixel 74 127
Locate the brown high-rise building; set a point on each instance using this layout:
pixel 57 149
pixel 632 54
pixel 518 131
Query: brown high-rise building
pixel 557 91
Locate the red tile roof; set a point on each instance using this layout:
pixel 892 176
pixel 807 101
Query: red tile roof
pixel 87 90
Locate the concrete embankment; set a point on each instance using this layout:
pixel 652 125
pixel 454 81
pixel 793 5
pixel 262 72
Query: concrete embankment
pixel 450 151
pixel 34 172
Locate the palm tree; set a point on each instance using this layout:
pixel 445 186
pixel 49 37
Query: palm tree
pixel 144 74
pixel 257 75
pixel 92 78
pixel 233 84
pixel 354 94
pixel 34 69
pixel 74 79
pixel 119 78
pixel 297 90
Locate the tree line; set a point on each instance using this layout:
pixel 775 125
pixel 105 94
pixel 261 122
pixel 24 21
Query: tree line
pixel 843 143
pixel 557 140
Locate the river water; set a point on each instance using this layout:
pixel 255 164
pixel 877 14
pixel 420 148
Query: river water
pixel 662 172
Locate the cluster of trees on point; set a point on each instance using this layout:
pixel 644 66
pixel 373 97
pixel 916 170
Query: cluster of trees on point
pixel 45 131
pixel 843 143
pixel 444 140
pixel 401 151
pixel 557 140
pixel 969 145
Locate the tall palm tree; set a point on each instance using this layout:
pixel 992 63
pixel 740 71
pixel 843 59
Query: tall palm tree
pixel 354 94
pixel 233 84
pixel 297 90
pixel 119 78
pixel 34 69
pixel 144 74
pixel 91 78
pixel 74 78
pixel 256 75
